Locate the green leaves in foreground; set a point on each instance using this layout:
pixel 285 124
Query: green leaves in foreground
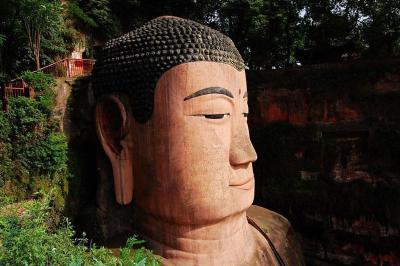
pixel 28 236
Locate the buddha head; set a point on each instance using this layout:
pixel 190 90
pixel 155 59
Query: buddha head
pixel 171 116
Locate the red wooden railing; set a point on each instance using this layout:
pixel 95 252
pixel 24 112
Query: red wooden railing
pixel 64 68
pixel 15 88
pixel 69 67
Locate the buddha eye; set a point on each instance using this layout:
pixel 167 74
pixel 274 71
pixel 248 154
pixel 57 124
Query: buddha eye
pixel 245 114
pixel 216 116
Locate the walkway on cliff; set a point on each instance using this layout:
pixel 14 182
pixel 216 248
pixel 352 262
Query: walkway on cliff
pixel 65 68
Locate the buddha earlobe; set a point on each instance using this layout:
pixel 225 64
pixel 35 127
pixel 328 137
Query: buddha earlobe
pixel 112 127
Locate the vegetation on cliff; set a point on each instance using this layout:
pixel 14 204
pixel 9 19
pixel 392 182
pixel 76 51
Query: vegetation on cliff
pixel 34 185
pixel 34 151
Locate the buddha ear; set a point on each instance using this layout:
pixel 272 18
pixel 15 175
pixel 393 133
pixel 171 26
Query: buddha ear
pixel 112 126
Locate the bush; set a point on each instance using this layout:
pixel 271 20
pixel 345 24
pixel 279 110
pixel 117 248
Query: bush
pixel 43 85
pixel 25 117
pixel 29 236
pixel 5 127
pixel 48 156
pixel 6 165
pixel 33 154
pixel 5 161
pixel 40 81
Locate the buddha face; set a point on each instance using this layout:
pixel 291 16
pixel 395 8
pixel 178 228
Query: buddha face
pixel 191 163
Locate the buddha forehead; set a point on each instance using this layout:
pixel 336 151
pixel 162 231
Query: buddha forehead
pixel 133 63
pixel 194 79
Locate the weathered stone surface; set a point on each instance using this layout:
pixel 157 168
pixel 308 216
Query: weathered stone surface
pixel 281 233
pixel 328 144
pixel 133 63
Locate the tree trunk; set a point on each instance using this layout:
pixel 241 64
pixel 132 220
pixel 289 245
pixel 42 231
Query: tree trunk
pixel 34 42
pixel 37 49
pixel 37 61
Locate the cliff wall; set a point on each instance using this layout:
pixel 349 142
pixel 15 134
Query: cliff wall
pixel 328 143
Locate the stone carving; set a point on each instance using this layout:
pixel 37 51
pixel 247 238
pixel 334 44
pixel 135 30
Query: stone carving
pixel 151 50
pixel 171 116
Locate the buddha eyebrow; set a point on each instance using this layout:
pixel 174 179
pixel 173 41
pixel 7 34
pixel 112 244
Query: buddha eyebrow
pixel 209 90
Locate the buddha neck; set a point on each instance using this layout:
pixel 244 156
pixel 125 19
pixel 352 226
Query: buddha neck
pixel 224 243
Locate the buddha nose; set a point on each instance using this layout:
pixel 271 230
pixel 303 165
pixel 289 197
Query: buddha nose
pixel 241 149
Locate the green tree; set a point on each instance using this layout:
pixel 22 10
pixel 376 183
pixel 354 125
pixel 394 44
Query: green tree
pixel 42 21
pixel 329 30
pixel 265 31
pixel 106 25
pixel 79 19
pixel 380 27
pixel 11 37
pixel 334 28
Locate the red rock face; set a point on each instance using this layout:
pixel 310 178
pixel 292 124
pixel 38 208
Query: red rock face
pixel 302 107
pixel 349 124
pixel 308 106
pixel 389 83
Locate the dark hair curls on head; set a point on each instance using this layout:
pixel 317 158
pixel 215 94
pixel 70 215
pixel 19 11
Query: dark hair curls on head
pixel 133 63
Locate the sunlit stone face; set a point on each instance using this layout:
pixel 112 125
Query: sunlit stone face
pixel 192 161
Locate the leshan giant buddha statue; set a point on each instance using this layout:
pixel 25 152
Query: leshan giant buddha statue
pixel 171 116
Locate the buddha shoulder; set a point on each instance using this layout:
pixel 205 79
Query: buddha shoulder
pixel 281 233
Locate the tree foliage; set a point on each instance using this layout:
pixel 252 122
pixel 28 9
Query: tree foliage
pixel 381 27
pixel 33 32
pixel 42 22
pixel 271 33
pixel 268 33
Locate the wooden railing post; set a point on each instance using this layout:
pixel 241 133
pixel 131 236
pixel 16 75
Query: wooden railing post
pixel 68 70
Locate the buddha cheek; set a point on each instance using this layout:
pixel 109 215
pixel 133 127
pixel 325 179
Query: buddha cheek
pixel 203 182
